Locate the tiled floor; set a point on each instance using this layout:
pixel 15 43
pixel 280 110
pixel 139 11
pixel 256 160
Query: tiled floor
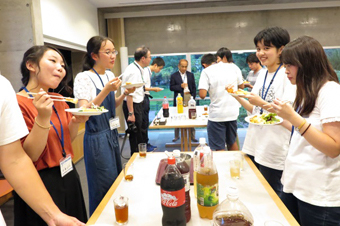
pixel 157 137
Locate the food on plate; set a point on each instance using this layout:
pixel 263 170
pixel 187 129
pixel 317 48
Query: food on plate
pixel 241 92
pixel 94 108
pixel 128 83
pixel 230 90
pixel 265 118
pixel 205 113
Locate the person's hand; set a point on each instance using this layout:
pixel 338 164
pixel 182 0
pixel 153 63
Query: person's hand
pixel 183 85
pixel 131 118
pixel 282 109
pixel 64 220
pixel 157 89
pixel 254 99
pixel 43 103
pixel 248 85
pixel 130 90
pixel 113 84
pixel 79 118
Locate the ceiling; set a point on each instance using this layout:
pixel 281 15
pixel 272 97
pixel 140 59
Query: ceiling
pixel 127 3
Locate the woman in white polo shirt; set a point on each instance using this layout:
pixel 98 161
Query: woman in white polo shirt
pixel 311 177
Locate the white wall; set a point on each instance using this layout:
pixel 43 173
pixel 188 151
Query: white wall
pixel 69 23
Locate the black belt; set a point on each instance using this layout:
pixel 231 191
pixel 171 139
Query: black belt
pixel 149 96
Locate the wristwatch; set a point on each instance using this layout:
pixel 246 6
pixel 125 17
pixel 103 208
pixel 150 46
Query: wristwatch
pixel 130 113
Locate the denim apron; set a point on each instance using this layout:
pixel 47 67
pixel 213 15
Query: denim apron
pixel 101 152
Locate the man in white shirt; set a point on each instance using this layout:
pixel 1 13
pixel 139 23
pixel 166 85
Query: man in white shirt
pixel 18 168
pixel 133 103
pixel 156 66
pixel 224 109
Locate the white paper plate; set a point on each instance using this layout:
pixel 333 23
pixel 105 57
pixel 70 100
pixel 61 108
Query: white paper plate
pixel 237 95
pixel 247 119
pixel 75 111
pixel 137 85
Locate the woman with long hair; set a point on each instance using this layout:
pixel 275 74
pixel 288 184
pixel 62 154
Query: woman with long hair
pixel 311 176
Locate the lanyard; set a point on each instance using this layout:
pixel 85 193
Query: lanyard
pixel 100 77
pixel 61 138
pixel 141 73
pixel 264 94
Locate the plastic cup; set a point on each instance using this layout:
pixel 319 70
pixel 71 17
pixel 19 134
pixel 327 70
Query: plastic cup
pixel 240 157
pixel 272 223
pixel 235 168
pixel 121 210
pixel 142 150
pixel 128 171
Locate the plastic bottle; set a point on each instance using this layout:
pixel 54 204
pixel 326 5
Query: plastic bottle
pixel 173 195
pixel 232 212
pixel 184 168
pixel 165 106
pixel 207 186
pixel 198 154
pixel 192 108
pixel 179 101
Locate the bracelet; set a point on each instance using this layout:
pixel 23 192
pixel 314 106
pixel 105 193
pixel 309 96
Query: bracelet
pixel 302 124
pixel 126 94
pixel 43 127
pixel 306 129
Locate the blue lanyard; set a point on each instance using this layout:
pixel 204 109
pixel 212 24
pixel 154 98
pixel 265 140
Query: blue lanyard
pixel 61 138
pixel 100 77
pixel 264 94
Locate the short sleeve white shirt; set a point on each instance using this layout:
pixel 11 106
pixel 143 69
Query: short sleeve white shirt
pixel 134 74
pixel 147 78
pixel 223 107
pixel 87 82
pixel 309 174
pixel 12 124
pixel 269 144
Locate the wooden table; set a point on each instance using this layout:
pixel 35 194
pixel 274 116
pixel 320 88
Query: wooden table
pixel 182 121
pixel 144 194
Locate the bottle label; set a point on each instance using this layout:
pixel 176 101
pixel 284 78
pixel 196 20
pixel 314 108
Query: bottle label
pixel 186 178
pixel 173 199
pixel 207 195
pixel 166 106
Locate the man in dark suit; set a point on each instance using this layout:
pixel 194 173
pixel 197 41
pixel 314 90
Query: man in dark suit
pixel 181 81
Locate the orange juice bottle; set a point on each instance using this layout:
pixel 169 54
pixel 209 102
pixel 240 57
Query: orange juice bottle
pixel 179 101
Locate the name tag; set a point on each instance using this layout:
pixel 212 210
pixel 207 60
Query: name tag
pixel 66 165
pixel 114 123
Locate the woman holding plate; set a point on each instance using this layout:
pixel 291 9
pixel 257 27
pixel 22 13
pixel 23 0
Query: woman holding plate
pixel 51 131
pixel 311 176
pixel 97 85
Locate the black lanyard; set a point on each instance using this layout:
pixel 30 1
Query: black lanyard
pixel 100 77
pixel 264 94
pixel 141 73
pixel 61 138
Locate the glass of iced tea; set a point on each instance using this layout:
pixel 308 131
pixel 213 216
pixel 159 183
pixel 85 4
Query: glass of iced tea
pixel 128 171
pixel 121 210
pixel 142 150
pixel 205 107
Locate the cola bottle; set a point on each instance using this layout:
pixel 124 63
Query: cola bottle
pixel 184 168
pixel 165 106
pixel 173 195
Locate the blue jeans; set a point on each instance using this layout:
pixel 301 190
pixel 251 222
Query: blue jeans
pixel 310 215
pixel 273 177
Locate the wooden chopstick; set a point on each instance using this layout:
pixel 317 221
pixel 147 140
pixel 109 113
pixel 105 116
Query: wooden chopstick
pixel 55 96
pixel 66 99
pixel 118 78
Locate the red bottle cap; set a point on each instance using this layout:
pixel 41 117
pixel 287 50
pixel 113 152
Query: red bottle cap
pixel 171 160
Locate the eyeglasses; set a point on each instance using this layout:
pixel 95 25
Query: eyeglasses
pixel 109 53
